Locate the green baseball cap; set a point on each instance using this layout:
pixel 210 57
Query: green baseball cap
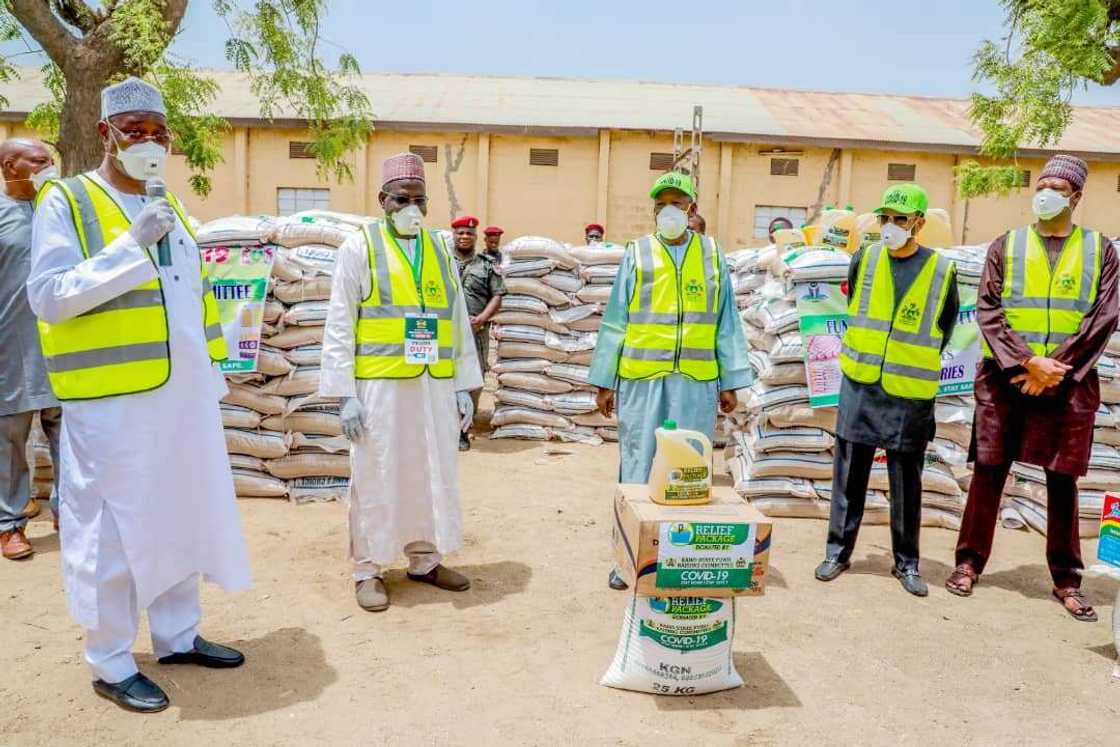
pixel 674 180
pixel 906 199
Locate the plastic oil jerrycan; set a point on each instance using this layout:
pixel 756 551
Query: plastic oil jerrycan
pixel 681 474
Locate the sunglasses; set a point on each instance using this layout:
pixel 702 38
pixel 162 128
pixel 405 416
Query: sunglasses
pixel 405 200
pixel 898 220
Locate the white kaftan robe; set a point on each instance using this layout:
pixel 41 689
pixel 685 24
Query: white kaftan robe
pixel 404 487
pixel 156 461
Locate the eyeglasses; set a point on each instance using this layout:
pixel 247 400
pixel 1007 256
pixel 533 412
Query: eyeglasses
pixel 139 136
pixel 405 200
pixel 898 220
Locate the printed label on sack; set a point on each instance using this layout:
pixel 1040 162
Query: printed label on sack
pixel 421 345
pixel 239 282
pixel 688 484
pixel 1108 546
pixel 703 555
pixel 684 623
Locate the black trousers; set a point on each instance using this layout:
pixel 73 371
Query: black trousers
pixel 851 469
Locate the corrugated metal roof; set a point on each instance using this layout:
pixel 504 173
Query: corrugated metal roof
pixel 583 106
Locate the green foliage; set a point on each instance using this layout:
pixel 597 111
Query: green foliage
pixel 10 31
pixel 1053 48
pixel 44 118
pixel 975 180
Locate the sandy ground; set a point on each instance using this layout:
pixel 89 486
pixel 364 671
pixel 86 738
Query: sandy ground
pixel 517 659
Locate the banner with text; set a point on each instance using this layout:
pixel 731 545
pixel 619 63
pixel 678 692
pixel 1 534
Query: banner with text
pixel 239 277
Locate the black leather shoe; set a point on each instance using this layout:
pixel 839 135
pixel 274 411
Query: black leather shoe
pixel 207 654
pixel 137 693
pixel 911 581
pixel 830 570
pixel 616 582
pixel 464 442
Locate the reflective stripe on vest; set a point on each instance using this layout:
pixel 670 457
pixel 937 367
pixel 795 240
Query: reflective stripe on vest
pixel 1045 308
pixel 673 311
pixel 899 346
pixel 121 346
pixel 394 292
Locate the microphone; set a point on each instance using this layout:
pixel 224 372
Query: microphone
pixel 156 189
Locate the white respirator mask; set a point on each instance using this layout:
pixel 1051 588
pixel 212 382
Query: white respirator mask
pixel 408 221
pixel 142 161
pixel 671 222
pixel 40 178
pixel 894 237
pixel 1049 203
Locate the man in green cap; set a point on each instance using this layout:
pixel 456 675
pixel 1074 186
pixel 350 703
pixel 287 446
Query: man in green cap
pixel 902 307
pixel 670 344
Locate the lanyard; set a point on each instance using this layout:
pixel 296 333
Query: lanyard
pixel 417 260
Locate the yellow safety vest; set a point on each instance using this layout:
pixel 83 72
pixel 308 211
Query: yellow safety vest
pixel 673 311
pixel 398 289
pixel 121 346
pixel 1045 307
pixel 900 346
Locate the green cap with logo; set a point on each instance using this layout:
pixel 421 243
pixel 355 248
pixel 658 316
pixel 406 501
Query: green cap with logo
pixel 674 180
pixel 906 199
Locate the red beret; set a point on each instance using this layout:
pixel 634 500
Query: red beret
pixel 493 231
pixel 595 227
pixel 465 221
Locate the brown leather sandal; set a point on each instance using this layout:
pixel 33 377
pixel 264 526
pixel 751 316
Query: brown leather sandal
pixel 955 583
pixel 1083 612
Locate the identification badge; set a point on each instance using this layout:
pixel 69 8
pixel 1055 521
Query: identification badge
pixel 421 344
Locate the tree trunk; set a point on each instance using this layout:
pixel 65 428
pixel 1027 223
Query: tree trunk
pixel 78 141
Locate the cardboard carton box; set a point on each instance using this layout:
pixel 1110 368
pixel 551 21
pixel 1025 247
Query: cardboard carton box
pixel 721 549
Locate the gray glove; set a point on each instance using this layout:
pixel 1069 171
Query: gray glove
pixel 352 424
pixel 466 410
pixel 152 223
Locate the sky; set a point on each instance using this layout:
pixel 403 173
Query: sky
pixel 902 47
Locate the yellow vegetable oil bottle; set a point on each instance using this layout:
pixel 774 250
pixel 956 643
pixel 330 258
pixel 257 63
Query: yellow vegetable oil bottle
pixel 681 474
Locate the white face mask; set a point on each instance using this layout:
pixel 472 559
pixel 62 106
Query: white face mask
pixel 672 222
pixel 40 178
pixel 893 236
pixel 1049 203
pixel 408 221
pixel 143 161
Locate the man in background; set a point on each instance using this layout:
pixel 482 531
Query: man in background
pixel 27 165
pixel 492 242
pixel 778 224
pixel 594 234
pixel 697 224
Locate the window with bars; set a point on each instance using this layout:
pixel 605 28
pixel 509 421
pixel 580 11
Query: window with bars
pixel 291 200
pixel 299 149
pixel 784 166
pixel 427 153
pixel 544 157
pixel 901 172
pixel 763 214
pixel 661 162
pixel 1024 178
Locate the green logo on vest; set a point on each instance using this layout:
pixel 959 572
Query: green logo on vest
pixel 1066 282
pixel 431 289
pixel 911 313
pixel 694 288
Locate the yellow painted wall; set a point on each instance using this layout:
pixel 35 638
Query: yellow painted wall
pixel 223 198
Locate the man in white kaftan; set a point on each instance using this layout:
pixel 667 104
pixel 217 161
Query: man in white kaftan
pixel 404 490
pixel 147 504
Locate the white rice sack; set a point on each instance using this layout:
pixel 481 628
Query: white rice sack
pixel 297 233
pixel 563 281
pixel 571 343
pixel 1105 417
pixel 781 396
pixel 254 399
pixel 795 487
pixel 343 221
pixel 307 314
pixel 574 314
pixel 1110 436
pixel 521 431
pixel 295 337
pixel 262 444
pixel 821 265
pixel 764 438
pixel 303 380
pixel 320 423
pixel 538 247
pixel 590 324
pixel 782 374
pixel 236 416
pixel 675 646
pixel 309 465
pixel 526 304
pixel 524 319
pixel 786 507
pixel 1110 391
pixel 312 259
pixel 536 289
pixel 573 374
pixel 1104 456
pixel 236 229
pixel 816 466
pixel 520 365
pixel 599 294
pixel 520 398
pixel 250 484
pixel 328 444
pixel 577 435
pixel 531 382
pixel 305 355
pixel 316 288
pixel 608 434
pixel 529 350
pixel 598 255
pixel 246 462
pixel 787 349
pixel 318 489
pixel 600 274
pixel 520 333
pixel 528 268
pixel 936 477
pixel 525 416
pixel 574 403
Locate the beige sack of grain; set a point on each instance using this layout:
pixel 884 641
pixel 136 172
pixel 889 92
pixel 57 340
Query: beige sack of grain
pixel 594 294
pixel 300 381
pixel 529 350
pixel 318 489
pixel 564 281
pixel 520 365
pixel 534 383
pixel 236 416
pixel 296 233
pixel 309 465
pixel 795 416
pixel 593 255
pixel 294 337
pixel 595 420
pixel 305 355
pixel 263 444
pixel 317 288
pixel 271 362
pixel 522 432
pixel 320 423
pixel 538 247
pixel 250 484
pixel 520 398
pixel 521 318
pixel 307 314
pixel 246 462
pixel 273 310
pixel 536 289
pixel 589 324
pixel 580 358
pixel 525 416
pixel 255 399
pixel 284 269
pixel 608 434
pixel 326 444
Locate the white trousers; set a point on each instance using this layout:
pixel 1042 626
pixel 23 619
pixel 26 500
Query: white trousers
pixel 422 558
pixel 173 617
